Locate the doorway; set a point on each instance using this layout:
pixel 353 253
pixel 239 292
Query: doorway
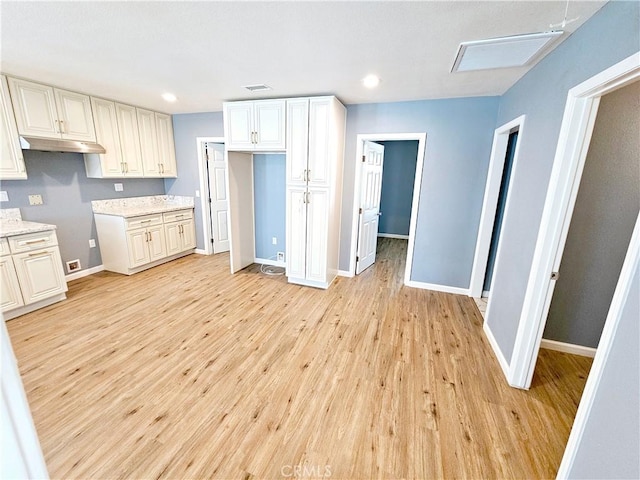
pixel 360 191
pixel 213 194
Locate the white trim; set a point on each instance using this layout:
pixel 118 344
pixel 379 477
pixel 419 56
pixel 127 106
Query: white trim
pixel 84 273
pixel 200 251
pixel 32 307
pixel 620 296
pixel 568 348
pixel 437 288
pixel 490 202
pixel 345 273
pixel 204 192
pixel 496 348
pixel 272 263
pixel 393 235
pixel 485 293
pixel 417 184
pixel 575 136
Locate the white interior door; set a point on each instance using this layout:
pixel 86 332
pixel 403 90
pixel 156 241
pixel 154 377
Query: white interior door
pixel 218 201
pixel 370 189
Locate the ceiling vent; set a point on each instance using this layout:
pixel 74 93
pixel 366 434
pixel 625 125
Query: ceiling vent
pixel 502 52
pixel 258 88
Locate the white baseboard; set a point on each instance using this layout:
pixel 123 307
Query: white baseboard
pixel 568 348
pixel 201 251
pixel 393 235
pixel 345 273
pixel 496 349
pixel 485 293
pixel 84 273
pixel 437 288
pixel 273 263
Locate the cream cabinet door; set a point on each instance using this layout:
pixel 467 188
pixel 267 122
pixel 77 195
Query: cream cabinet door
pixel 166 147
pixel 127 120
pixel 173 238
pixel 297 141
pixel 40 274
pixel 104 114
pixel 317 225
pixel 148 142
pixel 137 247
pixel 238 123
pixel 9 287
pixel 269 124
pixel 35 108
pixel 296 249
pixel 11 159
pixel 75 116
pixel 157 244
pixel 188 230
pixel 319 142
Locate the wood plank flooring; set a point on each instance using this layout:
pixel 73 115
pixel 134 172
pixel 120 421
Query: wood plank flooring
pixel 185 371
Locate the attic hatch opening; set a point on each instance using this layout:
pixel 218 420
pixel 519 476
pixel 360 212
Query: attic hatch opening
pixel 502 52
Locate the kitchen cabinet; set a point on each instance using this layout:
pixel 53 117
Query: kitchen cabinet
pixel 314 162
pixel 129 245
pixel 156 143
pixel 12 165
pixel 127 121
pixel 31 271
pixel 166 147
pixel 44 111
pixel 255 125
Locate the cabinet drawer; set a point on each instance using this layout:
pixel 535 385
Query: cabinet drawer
pixel 4 247
pixel 33 241
pixel 178 216
pixel 144 221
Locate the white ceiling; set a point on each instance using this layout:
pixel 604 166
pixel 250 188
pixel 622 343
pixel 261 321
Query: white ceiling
pixel 205 52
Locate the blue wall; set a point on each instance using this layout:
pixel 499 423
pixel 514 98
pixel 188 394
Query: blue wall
pixel 398 175
pixel 611 35
pixel 459 135
pixel 269 182
pixel 186 128
pixel 67 193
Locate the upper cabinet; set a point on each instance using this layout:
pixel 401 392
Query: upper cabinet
pixel 44 111
pixel 11 159
pixel 156 142
pixel 255 125
pixel 166 147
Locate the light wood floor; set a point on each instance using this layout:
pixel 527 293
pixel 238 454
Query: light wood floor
pixel 185 371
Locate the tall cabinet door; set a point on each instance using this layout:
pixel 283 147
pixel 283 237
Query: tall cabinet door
pixel 129 139
pixel 317 225
pixel 40 274
pixel 76 119
pixel 297 141
pixel 11 159
pixel 148 142
pixel 238 123
pixel 166 148
pixel 35 109
pixel 296 231
pixel 104 114
pixel 319 142
pixel 9 286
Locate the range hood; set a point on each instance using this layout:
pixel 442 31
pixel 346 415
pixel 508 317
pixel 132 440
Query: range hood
pixel 59 145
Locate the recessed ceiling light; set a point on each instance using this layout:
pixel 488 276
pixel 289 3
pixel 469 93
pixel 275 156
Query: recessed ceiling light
pixel 371 81
pixel 169 97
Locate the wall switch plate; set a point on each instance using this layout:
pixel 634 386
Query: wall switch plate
pixel 118 187
pixel 198 193
pixel 274 240
pixel 92 243
pixel 73 266
pixel 280 256
pixel 4 197
pixel 35 199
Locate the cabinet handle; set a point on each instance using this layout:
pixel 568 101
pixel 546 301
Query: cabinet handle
pixel 308 197
pixel 162 165
pixel 122 167
pixel 181 229
pixel 39 254
pixel 308 175
pixel 126 167
pixel 57 126
pixel 31 242
pixel 145 221
pixel 62 127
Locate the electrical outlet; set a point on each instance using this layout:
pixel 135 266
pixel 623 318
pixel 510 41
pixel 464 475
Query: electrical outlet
pixel 280 256
pixel 118 187
pixel 92 243
pixel 274 240
pixel 4 197
pixel 73 266
pixel 35 199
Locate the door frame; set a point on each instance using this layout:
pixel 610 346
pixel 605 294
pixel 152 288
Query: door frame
pixel 573 143
pixel 490 202
pixel 205 194
pixel 384 137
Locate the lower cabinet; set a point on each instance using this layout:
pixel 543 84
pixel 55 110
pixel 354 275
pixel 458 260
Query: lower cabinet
pixel 31 276
pixel 131 244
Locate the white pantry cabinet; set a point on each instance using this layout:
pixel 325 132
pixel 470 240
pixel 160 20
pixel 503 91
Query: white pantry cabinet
pixel 44 111
pixel 255 125
pixel 32 275
pixel 315 150
pixel 11 160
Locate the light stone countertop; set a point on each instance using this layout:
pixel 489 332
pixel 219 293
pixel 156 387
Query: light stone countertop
pixel 137 206
pixel 11 224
